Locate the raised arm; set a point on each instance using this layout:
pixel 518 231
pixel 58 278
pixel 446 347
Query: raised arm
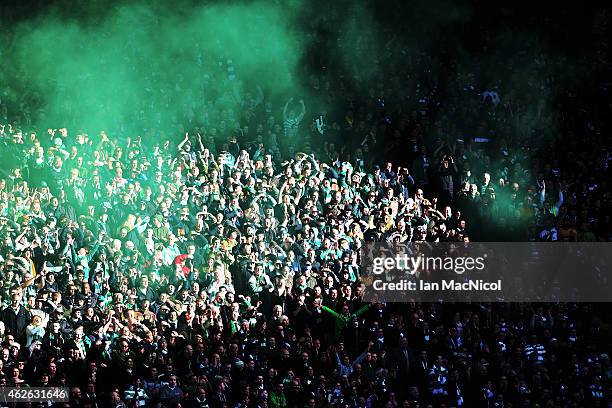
pixel 542 192
pixel 303 112
pixel 559 202
pixel 338 361
pixel 360 358
pixel 332 312
pixel 281 192
pixel 362 310
pixel 200 142
pixel 185 140
pixel 286 107
pixel 92 253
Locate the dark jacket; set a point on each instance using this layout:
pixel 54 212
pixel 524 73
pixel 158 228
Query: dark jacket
pixel 16 323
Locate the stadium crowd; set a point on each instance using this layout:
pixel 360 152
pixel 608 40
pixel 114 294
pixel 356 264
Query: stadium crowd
pixel 224 270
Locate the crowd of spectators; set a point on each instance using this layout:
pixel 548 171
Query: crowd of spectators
pixel 222 267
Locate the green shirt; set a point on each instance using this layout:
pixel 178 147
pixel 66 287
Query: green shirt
pixel 342 320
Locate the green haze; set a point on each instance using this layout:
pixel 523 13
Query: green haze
pixel 153 67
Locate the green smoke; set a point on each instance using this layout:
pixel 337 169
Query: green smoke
pixel 153 67
pixel 376 37
pixel 360 43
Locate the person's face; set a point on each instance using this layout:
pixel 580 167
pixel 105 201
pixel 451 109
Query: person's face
pixel 114 396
